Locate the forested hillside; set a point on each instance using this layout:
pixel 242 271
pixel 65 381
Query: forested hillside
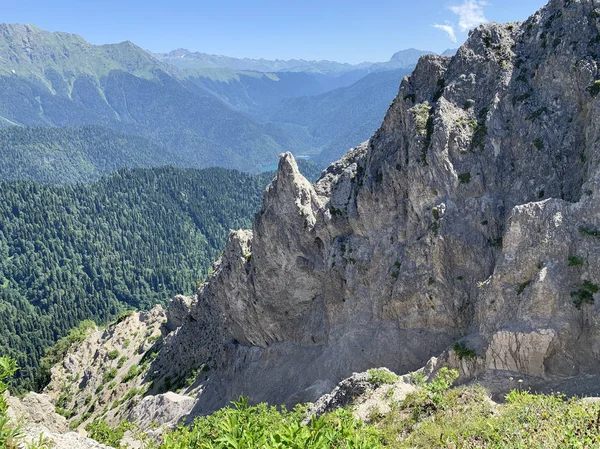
pixel 78 154
pixel 130 240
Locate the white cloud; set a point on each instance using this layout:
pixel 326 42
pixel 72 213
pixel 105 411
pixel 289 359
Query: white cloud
pixel 470 14
pixel 449 29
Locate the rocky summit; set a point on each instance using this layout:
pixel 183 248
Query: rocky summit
pixel 467 225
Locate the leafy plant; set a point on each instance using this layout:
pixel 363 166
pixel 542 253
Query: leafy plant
pixel 264 427
pixel 100 431
pixel 8 367
pixel 10 433
pixel 381 376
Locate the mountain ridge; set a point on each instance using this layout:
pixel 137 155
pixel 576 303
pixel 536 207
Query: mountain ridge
pixel 199 117
pixel 186 59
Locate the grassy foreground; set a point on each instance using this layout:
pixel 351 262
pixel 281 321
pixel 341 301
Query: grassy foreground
pixel 435 416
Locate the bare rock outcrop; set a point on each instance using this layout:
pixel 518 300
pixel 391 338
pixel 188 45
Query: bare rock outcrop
pixel 38 421
pixel 365 396
pixel 472 214
pixel 107 374
pixel 163 409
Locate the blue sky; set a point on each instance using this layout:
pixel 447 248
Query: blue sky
pixel 341 30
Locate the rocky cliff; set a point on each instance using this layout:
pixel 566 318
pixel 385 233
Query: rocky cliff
pixel 471 216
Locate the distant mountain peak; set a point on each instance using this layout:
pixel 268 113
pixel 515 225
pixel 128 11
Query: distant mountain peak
pixel 450 52
pixel 409 53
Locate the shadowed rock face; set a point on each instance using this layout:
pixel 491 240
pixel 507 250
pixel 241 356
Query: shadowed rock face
pixel 471 213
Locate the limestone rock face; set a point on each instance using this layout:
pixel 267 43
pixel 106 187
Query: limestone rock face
pixel 36 416
pixel 472 214
pixel 165 409
pixel 36 410
pixel 363 395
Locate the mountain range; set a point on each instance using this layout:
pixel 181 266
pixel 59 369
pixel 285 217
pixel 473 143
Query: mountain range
pixel 192 109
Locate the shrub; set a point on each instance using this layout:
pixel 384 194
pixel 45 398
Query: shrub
pixel 462 351
pixel 468 104
pixel 585 294
pixel 154 338
pixel 479 133
pixel 575 261
pixel 523 286
pixel 464 178
pixel 589 232
pixel 123 316
pixel 497 243
pixel 133 372
pixel 109 375
pixel 594 89
pixel 380 376
pixel 430 398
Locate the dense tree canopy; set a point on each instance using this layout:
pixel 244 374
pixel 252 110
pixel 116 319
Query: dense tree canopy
pixel 130 240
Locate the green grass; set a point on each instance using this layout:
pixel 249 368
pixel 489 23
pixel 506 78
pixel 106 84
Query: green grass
pixel 465 418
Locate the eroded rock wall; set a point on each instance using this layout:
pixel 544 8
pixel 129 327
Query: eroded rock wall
pixel 472 214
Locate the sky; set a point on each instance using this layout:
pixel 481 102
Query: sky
pixel 340 30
